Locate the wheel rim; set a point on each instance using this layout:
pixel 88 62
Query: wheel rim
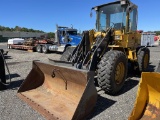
pixel 119 74
pixel 44 49
pixel 38 48
pixel 146 60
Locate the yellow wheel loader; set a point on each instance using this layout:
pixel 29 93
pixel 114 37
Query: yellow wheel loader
pixel 66 89
pixel 108 49
pixel 147 103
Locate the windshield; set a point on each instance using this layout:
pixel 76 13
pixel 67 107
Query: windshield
pixel 72 32
pixel 111 15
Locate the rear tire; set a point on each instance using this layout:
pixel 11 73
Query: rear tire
pixel 39 48
pixel 143 57
pixel 67 54
pixel 45 49
pixel 112 71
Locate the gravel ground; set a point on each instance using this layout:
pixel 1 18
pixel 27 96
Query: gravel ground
pixel 107 108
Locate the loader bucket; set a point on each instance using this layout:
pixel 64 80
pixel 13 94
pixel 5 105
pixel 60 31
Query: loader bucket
pixel 147 104
pixel 58 92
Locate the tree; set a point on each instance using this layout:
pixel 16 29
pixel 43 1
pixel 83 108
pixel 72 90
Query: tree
pixel 21 29
pixel 7 29
pixel 2 28
pixel 17 28
pixel 157 32
pixel 51 35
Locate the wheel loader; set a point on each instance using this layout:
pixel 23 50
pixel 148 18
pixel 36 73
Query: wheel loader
pixel 147 103
pixel 66 89
pixel 108 49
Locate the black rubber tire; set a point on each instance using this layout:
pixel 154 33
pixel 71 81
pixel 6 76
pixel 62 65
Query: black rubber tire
pixel 45 49
pixel 67 53
pixel 39 48
pixel 107 70
pixel 66 48
pixel 142 52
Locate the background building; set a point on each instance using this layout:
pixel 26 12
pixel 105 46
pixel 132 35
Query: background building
pixel 5 35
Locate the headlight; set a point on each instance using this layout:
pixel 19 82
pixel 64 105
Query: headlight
pixel 117 37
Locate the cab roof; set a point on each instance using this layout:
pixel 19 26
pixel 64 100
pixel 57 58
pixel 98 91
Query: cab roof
pixel 117 2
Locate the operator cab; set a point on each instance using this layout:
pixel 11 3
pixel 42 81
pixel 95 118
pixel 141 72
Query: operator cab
pixel 119 15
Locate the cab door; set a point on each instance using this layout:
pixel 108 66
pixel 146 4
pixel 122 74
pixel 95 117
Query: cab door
pixel 133 40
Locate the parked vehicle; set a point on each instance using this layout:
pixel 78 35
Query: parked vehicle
pixel 156 40
pixel 15 41
pixel 64 37
pixel 28 44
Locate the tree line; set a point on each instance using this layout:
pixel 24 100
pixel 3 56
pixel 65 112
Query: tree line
pixel 50 34
pixel 157 32
pixel 21 29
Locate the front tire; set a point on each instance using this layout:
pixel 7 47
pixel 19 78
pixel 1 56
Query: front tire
pixel 45 49
pixel 112 71
pixel 39 48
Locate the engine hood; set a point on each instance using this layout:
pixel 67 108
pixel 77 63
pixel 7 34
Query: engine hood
pixel 75 36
